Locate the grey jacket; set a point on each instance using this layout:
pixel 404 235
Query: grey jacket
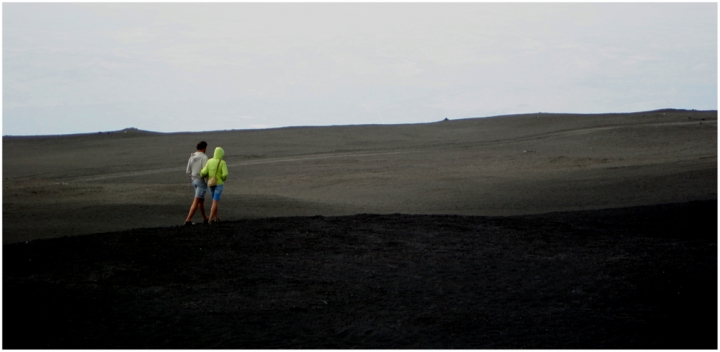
pixel 196 162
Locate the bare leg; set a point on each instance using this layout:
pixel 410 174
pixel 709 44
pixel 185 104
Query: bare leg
pixel 202 208
pixel 214 210
pixel 193 208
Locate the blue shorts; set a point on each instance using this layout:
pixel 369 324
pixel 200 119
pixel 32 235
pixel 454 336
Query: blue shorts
pixel 200 188
pixel 215 191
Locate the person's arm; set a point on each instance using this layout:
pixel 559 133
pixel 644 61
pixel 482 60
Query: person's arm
pixel 204 171
pixel 224 171
pixel 188 169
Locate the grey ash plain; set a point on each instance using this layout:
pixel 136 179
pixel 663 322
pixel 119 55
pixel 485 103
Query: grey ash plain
pixel 56 186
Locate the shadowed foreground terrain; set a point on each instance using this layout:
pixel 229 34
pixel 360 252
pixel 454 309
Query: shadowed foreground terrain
pixel 640 277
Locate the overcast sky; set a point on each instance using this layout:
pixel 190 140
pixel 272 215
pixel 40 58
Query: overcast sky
pixel 89 67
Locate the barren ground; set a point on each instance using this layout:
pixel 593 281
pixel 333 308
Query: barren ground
pixel 511 165
pixel 527 231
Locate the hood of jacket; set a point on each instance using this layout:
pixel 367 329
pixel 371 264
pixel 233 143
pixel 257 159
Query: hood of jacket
pixel 219 153
pixel 197 156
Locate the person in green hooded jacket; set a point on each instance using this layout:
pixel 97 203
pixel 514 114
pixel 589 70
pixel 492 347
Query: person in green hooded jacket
pixel 218 168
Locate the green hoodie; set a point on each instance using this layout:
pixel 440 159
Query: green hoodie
pixel 211 167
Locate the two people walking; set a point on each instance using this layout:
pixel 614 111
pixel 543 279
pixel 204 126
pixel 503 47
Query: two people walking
pixel 200 169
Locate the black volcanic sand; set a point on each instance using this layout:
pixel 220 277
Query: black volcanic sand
pixel 641 277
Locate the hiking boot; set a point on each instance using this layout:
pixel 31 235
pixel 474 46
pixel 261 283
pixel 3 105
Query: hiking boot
pixel 188 223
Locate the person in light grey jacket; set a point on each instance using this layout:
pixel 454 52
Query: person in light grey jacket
pixel 196 163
